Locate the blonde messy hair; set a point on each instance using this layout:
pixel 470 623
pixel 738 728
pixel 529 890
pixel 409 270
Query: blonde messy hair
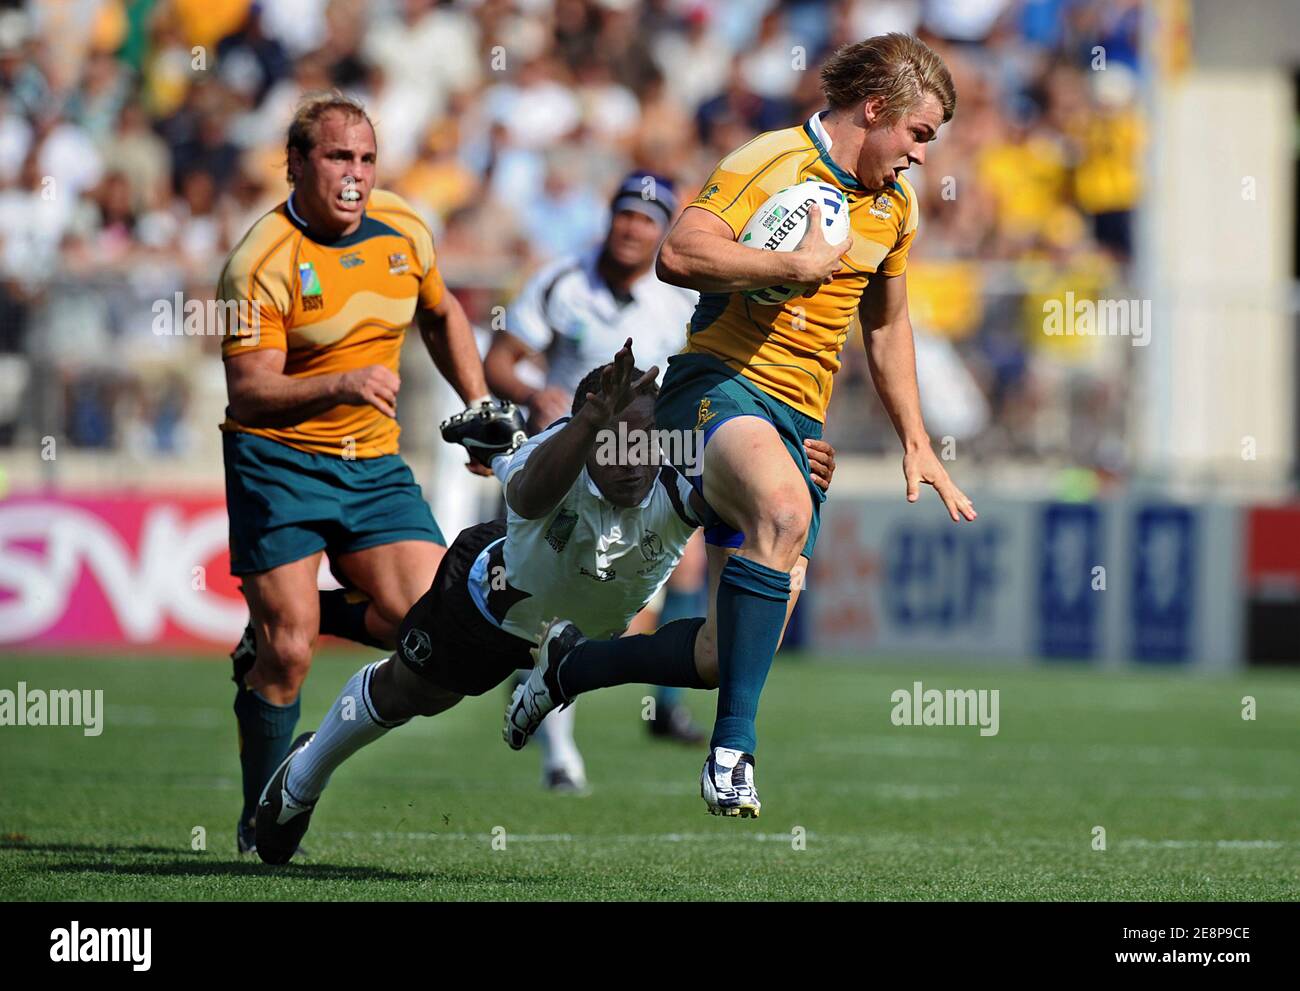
pixel 305 126
pixel 898 67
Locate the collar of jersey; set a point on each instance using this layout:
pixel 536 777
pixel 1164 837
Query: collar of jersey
pixel 594 489
pixel 368 228
pixel 822 141
pixel 816 132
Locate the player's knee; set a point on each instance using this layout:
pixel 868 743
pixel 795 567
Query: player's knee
pixel 285 656
pixel 782 523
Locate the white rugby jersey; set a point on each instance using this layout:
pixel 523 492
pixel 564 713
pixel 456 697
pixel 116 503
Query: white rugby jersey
pixel 587 561
pixel 568 313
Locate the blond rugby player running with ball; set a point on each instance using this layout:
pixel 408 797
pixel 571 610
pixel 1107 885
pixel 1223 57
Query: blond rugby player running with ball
pixel 755 380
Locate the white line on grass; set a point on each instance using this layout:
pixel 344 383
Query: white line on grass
pixel 898 745
pixel 898 790
pixel 1218 844
pixel 567 837
pixel 883 842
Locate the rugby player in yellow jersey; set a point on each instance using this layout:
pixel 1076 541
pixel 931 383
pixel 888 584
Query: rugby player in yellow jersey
pixel 329 281
pixel 754 380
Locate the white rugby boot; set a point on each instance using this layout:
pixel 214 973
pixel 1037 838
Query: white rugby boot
pixel 727 784
pixel 540 691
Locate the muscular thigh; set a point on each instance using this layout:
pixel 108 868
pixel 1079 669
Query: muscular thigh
pixel 747 471
pixel 395 575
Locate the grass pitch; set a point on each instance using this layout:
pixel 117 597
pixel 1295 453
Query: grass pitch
pixel 1195 801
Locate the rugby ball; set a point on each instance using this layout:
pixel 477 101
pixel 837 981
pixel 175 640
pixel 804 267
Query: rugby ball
pixel 781 222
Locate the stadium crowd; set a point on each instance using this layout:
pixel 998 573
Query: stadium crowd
pixel 138 138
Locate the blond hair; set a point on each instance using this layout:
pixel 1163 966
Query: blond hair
pixel 305 126
pixel 898 67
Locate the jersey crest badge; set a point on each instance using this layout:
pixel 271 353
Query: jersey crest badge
pixel 312 296
pixel 397 264
pixel 651 546
pixel 561 529
pixel 705 414
pixel 882 207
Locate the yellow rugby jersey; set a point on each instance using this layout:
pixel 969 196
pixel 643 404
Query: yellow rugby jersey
pixel 332 308
pixel 792 350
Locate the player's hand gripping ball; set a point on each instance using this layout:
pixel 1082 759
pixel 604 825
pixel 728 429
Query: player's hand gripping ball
pixel 491 428
pixel 781 222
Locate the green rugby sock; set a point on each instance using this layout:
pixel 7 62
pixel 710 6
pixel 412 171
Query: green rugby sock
pixel 343 614
pixel 665 657
pixel 752 600
pixel 265 734
pixel 678 605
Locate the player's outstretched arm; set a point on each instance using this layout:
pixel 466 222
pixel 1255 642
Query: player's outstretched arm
pixel 449 339
pixel 537 488
pixel 891 353
pixel 261 395
pixel 701 253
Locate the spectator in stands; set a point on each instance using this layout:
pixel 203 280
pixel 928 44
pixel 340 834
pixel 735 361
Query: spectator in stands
pixel 149 132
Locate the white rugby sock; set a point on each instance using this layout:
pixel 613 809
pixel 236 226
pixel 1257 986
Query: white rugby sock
pixel 349 725
pixel 559 748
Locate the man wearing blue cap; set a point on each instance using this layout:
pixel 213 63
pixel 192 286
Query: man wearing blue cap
pixel 576 311
pixel 572 315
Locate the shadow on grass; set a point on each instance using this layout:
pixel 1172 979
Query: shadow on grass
pixel 200 867
pixel 206 865
pixel 26 847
